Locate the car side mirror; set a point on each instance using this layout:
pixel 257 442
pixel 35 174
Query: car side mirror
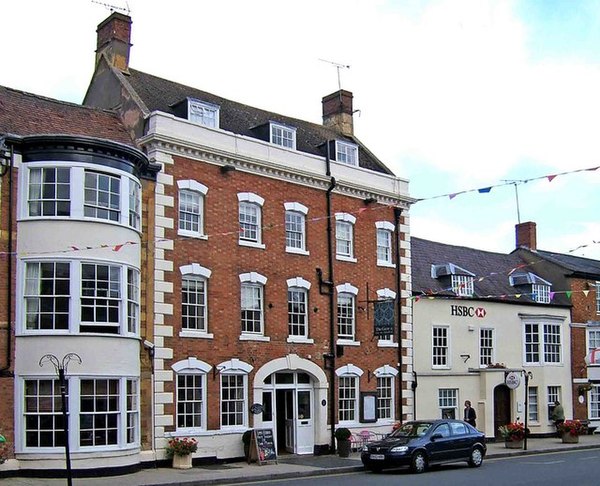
pixel 436 436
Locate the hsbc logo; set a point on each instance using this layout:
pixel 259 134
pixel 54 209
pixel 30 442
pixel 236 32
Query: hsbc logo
pixel 465 311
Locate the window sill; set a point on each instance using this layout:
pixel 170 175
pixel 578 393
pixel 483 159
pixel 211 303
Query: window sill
pixel 385 264
pixel 300 340
pixel 386 344
pixel 196 334
pixel 347 342
pixel 189 234
pixel 252 244
pixel 254 337
pixel 343 258
pixel 297 251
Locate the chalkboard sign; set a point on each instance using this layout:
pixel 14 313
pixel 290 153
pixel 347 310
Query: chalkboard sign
pixel 262 446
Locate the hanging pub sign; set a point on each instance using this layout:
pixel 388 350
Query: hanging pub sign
pixel 384 318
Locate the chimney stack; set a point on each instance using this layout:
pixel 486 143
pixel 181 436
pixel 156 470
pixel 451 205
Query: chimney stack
pixel 113 40
pixel 337 112
pixel 526 235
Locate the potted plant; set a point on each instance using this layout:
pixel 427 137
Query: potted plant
pixel 342 434
pixel 513 434
pixel 570 431
pixel 246 437
pixel 181 450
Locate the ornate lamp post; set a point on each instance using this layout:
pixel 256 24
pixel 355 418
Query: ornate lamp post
pixel 60 366
pixel 528 376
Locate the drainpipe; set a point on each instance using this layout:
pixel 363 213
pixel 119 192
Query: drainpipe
pixel 330 282
pixel 397 214
pixel 9 288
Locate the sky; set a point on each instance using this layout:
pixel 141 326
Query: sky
pixel 453 95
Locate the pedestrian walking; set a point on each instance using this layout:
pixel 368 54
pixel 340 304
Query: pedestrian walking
pixel 558 415
pixel 470 414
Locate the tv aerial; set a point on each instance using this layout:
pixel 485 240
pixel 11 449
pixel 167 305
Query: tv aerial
pixel 339 67
pixel 126 10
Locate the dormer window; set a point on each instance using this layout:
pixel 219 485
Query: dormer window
pixel 283 135
pixel 346 153
pixel 463 285
pixel 203 113
pixel 531 283
pixel 461 280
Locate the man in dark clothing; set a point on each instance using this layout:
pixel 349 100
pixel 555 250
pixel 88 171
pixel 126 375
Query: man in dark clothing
pixel 470 414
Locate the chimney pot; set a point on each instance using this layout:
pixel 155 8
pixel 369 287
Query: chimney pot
pixel 337 112
pixel 526 235
pixel 113 40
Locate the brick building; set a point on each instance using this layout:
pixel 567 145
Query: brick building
pixel 579 278
pixel 75 269
pixel 274 237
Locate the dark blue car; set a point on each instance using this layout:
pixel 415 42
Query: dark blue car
pixel 422 443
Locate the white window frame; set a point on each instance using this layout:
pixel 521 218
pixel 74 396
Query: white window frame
pixel 594 402
pixel 553 393
pixel 592 336
pixel 385 230
pixel 250 201
pixel 299 212
pixel 541 293
pixel 346 153
pixel 344 237
pixel 36 190
pixel 127 196
pixel 128 412
pixel 195 189
pixel 533 403
pixel 349 374
pixel 487 346
pixel 203 113
pixel 300 285
pixel 386 294
pixel 543 341
pixel 389 373
pixel 463 285
pixel 235 367
pixel 197 368
pixel 448 401
pixel 125 301
pixel 197 272
pixel 253 280
pixel 445 346
pixel 282 135
pixel 347 291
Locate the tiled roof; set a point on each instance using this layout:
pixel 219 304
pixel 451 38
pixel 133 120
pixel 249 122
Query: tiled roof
pixel 159 94
pixel 578 265
pixel 25 114
pixel 493 269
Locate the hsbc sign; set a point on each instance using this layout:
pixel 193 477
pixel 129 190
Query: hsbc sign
pixel 467 311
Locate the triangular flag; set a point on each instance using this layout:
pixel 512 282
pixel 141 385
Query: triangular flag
pixel 518 296
pixel 452 196
pixel 551 178
pixel 568 292
pixel 552 295
pixel 586 292
pixel 484 189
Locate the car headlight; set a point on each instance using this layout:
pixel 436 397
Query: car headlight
pixel 399 449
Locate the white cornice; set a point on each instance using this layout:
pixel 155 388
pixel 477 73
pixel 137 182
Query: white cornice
pixel 154 143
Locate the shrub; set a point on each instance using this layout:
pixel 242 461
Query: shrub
pixel 342 433
pixel 182 446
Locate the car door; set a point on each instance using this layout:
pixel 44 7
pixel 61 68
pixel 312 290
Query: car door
pixel 441 446
pixel 461 440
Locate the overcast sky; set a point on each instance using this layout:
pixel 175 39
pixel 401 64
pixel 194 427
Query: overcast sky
pixel 454 95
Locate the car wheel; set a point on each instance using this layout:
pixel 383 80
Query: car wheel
pixel 476 458
pixel 419 462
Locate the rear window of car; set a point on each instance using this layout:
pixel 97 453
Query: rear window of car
pixel 458 428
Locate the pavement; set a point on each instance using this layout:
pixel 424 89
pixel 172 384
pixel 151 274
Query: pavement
pixel 287 466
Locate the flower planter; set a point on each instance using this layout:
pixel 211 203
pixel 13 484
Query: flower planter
pixel 513 444
pixel 182 462
pixel 567 438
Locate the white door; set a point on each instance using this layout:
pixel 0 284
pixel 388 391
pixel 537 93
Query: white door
pixel 305 434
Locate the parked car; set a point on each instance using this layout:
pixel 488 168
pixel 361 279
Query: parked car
pixel 422 443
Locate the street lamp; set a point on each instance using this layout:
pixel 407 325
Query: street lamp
pixel 528 376
pixel 61 370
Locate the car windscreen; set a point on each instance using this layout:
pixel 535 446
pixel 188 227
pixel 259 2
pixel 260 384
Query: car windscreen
pixel 411 429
